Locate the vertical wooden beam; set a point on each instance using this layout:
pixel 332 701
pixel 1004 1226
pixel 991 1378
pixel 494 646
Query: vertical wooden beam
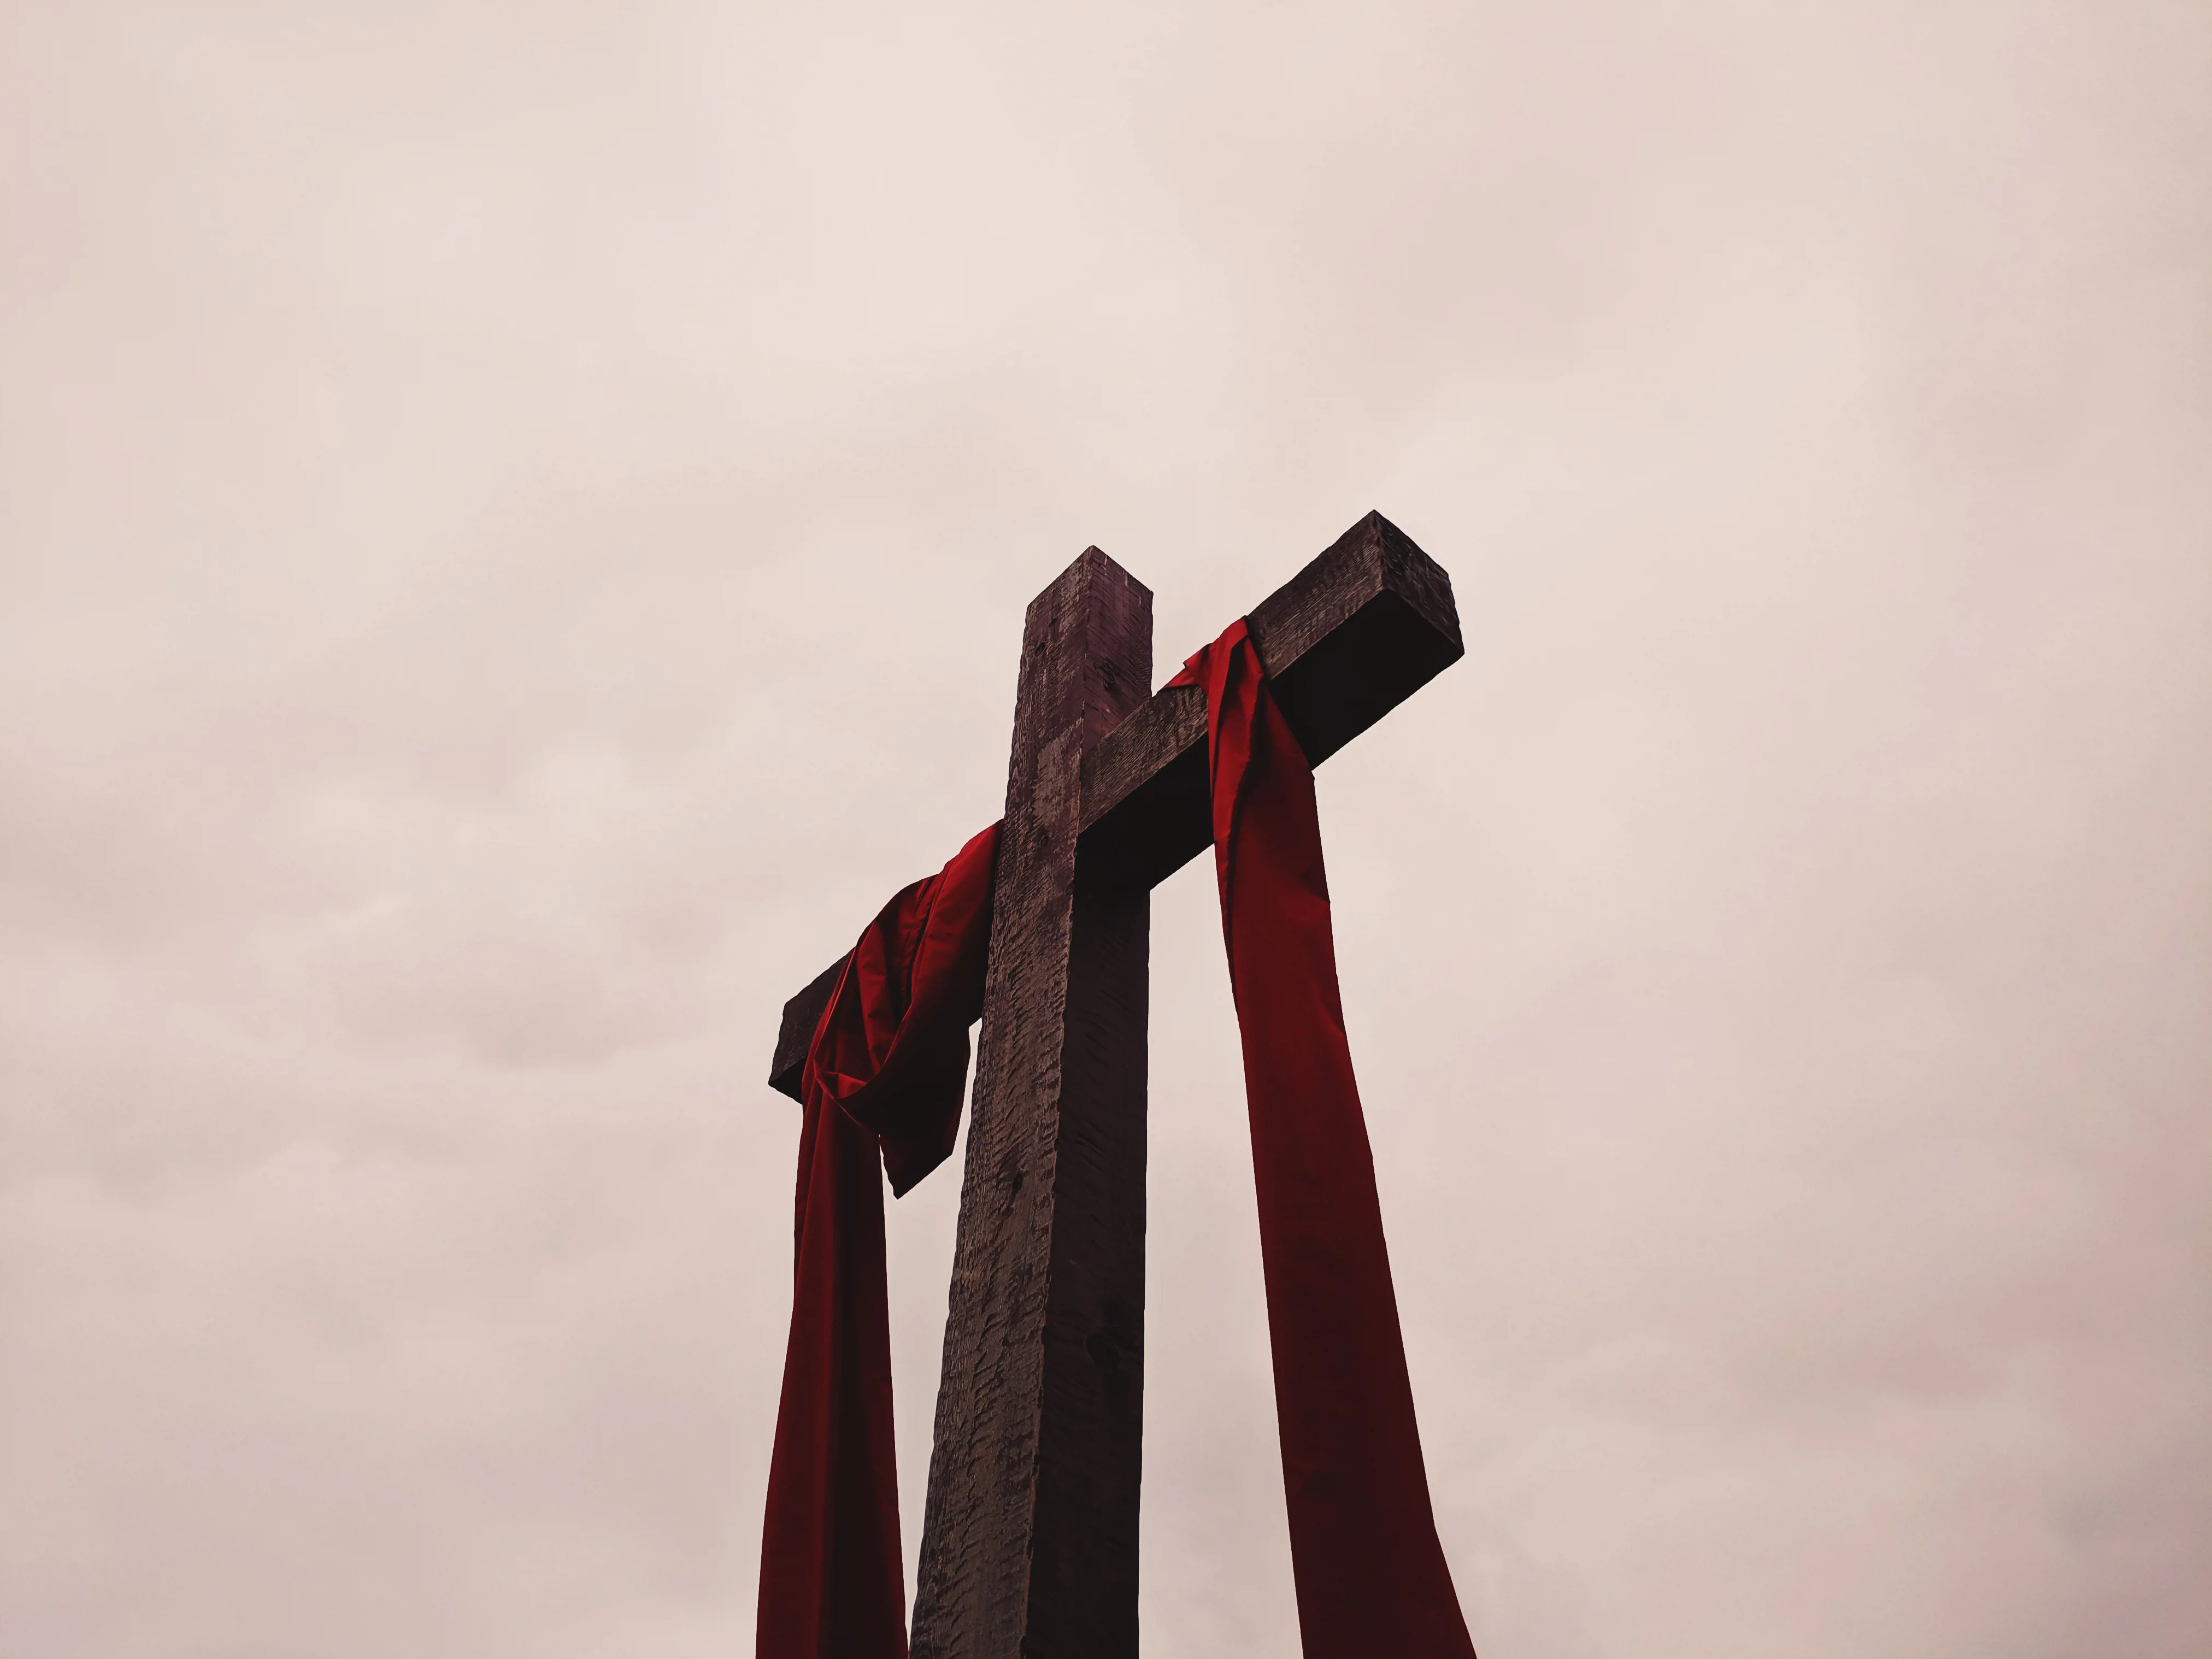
pixel 1029 1542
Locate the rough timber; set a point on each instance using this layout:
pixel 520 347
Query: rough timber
pixel 1030 1537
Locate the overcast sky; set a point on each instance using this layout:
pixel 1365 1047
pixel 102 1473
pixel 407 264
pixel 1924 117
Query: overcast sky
pixel 514 523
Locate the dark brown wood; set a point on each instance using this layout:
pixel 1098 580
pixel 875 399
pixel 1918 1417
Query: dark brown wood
pixel 800 1016
pixel 1345 640
pixel 1029 1545
pixel 1029 1538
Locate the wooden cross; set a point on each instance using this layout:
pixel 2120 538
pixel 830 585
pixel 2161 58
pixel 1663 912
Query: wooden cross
pixel 1028 1542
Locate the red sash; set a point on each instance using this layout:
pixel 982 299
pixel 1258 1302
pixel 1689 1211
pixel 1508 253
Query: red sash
pixel 886 1069
pixel 883 1080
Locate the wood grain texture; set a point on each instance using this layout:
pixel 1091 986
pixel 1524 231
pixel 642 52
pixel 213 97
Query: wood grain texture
pixel 1356 633
pixel 1345 640
pixel 1350 637
pixel 1030 1539
pixel 800 1016
pixel 1029 1547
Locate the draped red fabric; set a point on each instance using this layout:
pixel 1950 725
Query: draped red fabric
pixel 1370 1574
pixel 883 1078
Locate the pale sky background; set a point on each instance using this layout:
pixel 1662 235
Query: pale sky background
pixel 515 522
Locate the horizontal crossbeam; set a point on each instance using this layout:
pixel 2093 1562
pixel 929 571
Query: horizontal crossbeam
pixel 1345 640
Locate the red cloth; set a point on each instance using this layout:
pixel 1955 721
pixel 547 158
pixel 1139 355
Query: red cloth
pixel 1370 1575
pixel 884 1071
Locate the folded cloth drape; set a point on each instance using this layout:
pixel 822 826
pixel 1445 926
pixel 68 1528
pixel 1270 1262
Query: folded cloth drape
pixel 883 1078
pixel 1370 1575
pixel 885 1070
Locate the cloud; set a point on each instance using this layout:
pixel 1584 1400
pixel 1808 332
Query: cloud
pixel 516 528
